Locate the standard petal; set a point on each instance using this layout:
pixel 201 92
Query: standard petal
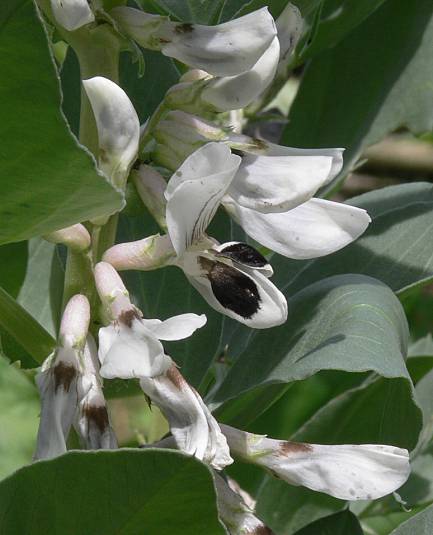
pixel 347 472
pixel 118 127
pixel 223 50
pixel 76 237
pixel 278 183
pixel 128 352
pixel 313 229
pixel 195 191
pixel 289 27
pixel 273 149
pixel 177 327
pixel 235 92
pixel 72 14
pixel 243 294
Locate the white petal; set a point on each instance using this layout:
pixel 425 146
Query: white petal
pixel 195 430
pixel 194 192
pixel 289 27
pixel 177 327
pixel 313 229
pixel 223 50
pixel 112 291
pixel 278 183
pixel 76 237
pixel 234 512
pixel 177 401
pixel 92 420
pixel 118 127
pixel 235 92
pixel 128 352
pixel 59 399
pixel 336 154
pixel 348 472
pixel 72 14
pixel 258 303
pixel 75 322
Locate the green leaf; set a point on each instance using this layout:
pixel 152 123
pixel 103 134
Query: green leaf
pixel 383 524
pixel 354 94
pixel 55 182
pixel 13 263
pixel 393 249
pixel 286 509
pixel 111 493
pixel 339 524
pixel 19 402
pixel 420 524
pixel 199 11
pixel 24 328
pixel 351 323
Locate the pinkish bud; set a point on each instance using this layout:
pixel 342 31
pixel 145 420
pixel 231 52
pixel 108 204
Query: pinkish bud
pixel 76 237
pixel 75 322
pixel 111 290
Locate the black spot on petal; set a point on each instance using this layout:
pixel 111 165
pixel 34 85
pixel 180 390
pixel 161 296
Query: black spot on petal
pixel 243 253
pixel 233 289
pixel 64 374
pixel 186 27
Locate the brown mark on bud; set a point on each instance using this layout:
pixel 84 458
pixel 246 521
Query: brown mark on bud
pixel 98 415
pixel 186 27
pixel 128 316
pixel 286 448
pixel 64 374
pixel 176 378
pixel 262 530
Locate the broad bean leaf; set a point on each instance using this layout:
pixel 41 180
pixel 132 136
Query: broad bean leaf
pixel 350 322
pixel 48 193
pixel 286 509
pixel 121 492
pixel 338 524
pixel 394 249
pixel 13 263
pixel 419 524
pixel 20 408
pixel 378 78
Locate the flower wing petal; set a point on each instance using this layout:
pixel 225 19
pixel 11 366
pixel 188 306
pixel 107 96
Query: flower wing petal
pixel 313 229
pixel 177 327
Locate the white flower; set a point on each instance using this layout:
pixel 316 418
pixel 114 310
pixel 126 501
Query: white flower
pixel 348 472
pixel 130 345
pixel 195 430
pixel 118 128
pixel 232 277
pixel 271 198
pixel 223 50
pixel 70 390
pixel 237 515
pixel 92 421
pixel 72 14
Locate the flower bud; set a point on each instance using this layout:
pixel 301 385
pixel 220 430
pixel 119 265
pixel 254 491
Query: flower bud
pixel 76 237
pixel 75 322
pixel 151 253
pixel 72 14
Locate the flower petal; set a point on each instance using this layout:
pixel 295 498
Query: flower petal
pixel 336 155
pixel 72 14
pixel 92 420
pixel 223 50
pixel 194 192
pixel 235 92
pixel 313 229
pixel 189 423
pixel 177 327
pixel 241 293
pixel 128 352
pixel 278 183
pixel 348 472
pixel 118 127
pixel 289 27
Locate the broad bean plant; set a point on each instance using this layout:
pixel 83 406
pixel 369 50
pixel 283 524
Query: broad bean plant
pixel 172 233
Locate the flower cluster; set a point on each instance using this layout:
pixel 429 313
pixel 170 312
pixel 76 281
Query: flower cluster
pixel 266 188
